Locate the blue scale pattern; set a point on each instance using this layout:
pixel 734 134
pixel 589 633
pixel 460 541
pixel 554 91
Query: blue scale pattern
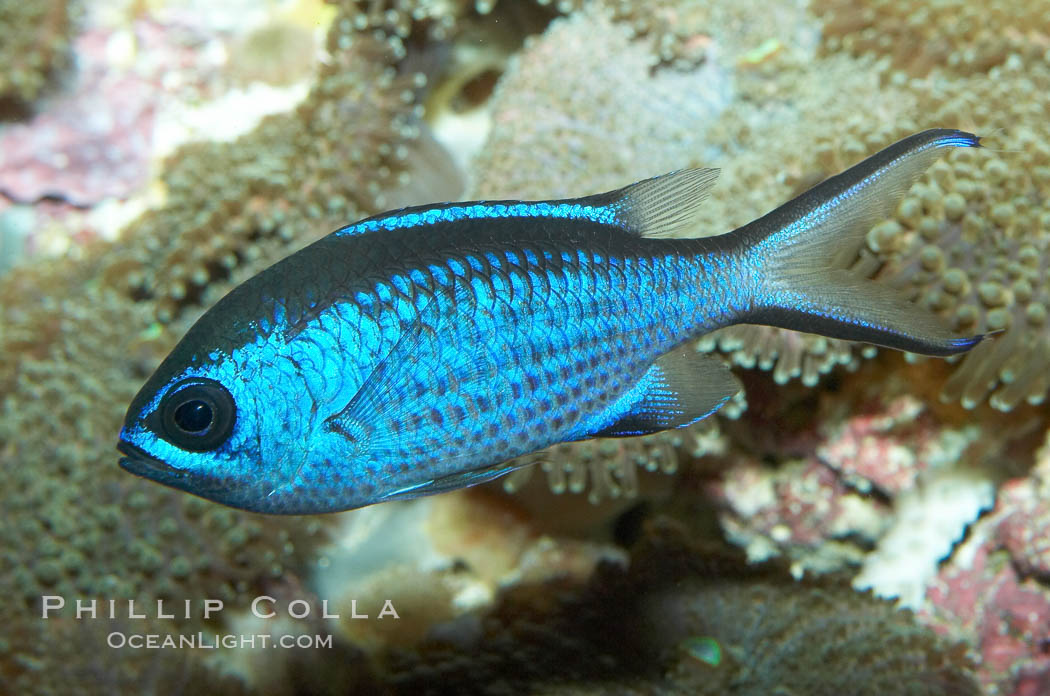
pixel 562 333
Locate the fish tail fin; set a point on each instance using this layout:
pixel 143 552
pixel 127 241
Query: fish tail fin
pixel 794 250
pixel 839 304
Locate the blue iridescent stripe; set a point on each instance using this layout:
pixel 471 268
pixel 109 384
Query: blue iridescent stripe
pixel 482 211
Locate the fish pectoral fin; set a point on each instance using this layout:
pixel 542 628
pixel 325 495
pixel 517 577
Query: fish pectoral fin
pixel 664 206
pixel 397 384
pixel 679 389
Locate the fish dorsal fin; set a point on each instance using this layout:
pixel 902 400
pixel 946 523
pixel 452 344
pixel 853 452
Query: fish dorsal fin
pixel 664 206
pixel 679 389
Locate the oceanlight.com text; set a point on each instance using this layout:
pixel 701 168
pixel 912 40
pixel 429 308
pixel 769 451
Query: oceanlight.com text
pixel 207 641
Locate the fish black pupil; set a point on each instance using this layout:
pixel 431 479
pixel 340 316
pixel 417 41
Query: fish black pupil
pixel 194 416
pixel 197 414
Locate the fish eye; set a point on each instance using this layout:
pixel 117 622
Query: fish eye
pixel 194 416
pixel 197 414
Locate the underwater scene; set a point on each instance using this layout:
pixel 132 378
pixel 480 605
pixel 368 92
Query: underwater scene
pixel 577 435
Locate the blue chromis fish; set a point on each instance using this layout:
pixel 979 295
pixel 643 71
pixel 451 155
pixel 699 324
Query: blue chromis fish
pixel 419 351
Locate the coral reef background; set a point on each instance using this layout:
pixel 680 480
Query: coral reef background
pixel 155 153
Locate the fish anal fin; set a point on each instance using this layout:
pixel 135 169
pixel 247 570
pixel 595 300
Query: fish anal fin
pixel 663 206
pixel 452 482
pixel 679 389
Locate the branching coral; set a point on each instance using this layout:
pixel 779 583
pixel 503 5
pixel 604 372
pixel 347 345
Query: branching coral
pixel 34 45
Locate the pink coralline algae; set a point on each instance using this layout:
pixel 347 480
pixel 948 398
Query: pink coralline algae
pixel 87 145
pixel 850 484
pixel 798 509
pixel 868 481
pixel 1005 617
pixel 860 449
pixel 1025 528
pixel 889 446
pixel 994 591
pixel 96 139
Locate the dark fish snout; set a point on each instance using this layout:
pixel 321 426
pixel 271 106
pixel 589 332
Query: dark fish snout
pixel 139 462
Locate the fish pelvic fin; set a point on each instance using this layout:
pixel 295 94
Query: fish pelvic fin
pixel 663 206
pixel 794 251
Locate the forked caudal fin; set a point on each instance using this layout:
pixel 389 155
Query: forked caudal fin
pixel 792 252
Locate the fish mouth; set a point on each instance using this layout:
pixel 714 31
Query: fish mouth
pixel 139 462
